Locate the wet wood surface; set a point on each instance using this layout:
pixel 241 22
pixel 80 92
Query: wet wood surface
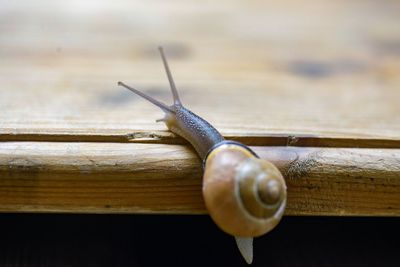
pixel 323 77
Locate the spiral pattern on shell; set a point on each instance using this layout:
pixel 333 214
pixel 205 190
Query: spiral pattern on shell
pixel 245 195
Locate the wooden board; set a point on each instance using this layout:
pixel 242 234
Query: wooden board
pixel 324 71
pixel 150 178
pixel 305 74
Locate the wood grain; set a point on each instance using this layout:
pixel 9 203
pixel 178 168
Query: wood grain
pixel 305 74
pixel 326 73
pixel 152 178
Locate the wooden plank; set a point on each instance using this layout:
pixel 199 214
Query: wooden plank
pixel 154 178
pixel 326 73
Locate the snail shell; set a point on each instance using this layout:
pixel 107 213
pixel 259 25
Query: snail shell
pixel 245 195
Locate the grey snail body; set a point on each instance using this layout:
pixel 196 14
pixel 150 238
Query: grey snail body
pixel 245 195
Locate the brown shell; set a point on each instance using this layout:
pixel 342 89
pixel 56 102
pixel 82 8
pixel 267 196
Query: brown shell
pixel 244 195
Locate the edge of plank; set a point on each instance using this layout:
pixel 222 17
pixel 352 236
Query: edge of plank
pixel 166 137
pixel 152 178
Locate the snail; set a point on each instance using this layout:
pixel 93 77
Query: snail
pixel 244 195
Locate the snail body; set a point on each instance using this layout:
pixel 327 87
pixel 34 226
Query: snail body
pixel 244 195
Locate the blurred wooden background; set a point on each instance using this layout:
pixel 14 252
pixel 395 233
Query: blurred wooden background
pixel 258 68
pixel 305 73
